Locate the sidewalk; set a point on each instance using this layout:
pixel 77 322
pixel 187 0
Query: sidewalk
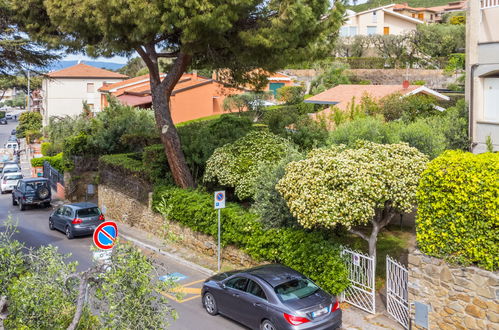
pixel 353 318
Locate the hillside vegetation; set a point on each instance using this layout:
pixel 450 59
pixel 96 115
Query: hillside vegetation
pixel 413 3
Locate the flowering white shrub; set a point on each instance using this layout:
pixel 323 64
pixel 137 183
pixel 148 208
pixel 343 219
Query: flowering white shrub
pixel 236 165
pixel 353 186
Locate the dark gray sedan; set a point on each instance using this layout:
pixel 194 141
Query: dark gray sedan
pixel 76 219
pixel 271 297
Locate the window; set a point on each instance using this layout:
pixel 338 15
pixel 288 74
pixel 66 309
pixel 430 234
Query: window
pixel 491 100
pixel 90 106
pixel 255 290
pixel 431 17
pixel 87 213
pixel 353 31
pixel 375 16
pixel 90 88
pixel 421 16
pixel 371 30
pixel 67 212
pixel 386 30
pixel 344 31
pixel 295 289
pixel 238 283
pixel 59 211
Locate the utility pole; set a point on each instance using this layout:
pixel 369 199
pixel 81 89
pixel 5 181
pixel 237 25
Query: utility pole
pixel 29 96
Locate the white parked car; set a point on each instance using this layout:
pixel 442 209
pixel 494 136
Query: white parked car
pixel 10 168
pixel 12 145
pixel 9 181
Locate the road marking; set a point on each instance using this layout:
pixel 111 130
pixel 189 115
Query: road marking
pixel 185 290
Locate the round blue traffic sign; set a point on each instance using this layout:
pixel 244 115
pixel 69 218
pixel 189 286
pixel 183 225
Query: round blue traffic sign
pixel 220 196
pixel 105 235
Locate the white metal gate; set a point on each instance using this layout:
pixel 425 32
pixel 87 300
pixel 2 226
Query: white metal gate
pixel 397 295
pixel 361 292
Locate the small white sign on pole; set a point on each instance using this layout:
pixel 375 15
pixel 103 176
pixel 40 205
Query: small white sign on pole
pixel 219 204
pixel 356 259
pixel 219 200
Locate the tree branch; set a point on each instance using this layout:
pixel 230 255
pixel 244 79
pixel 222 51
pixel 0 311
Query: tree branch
pixel 358 233
pixel 3 311
pixel 176 71
pixel 151 61
pixel 168 55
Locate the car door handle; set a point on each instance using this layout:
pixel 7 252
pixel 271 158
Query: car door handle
pixel 257 304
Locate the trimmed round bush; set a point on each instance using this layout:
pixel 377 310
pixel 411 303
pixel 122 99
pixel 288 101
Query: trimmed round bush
pixel 458 213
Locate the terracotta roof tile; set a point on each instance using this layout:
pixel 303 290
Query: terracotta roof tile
pixel 82 70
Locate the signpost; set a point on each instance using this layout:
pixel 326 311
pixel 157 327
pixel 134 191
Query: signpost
pixel 219 204
pixel 105 235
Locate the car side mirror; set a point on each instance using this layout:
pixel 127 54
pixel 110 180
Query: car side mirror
pixel 223 286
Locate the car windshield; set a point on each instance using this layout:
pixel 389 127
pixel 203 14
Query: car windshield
pixel 295 289
pixel 33 186
pixel 10 169
pixel 13 177
pixel 90 212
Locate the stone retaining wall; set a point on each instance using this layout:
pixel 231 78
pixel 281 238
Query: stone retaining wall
pixel 459 297
pixel 123 208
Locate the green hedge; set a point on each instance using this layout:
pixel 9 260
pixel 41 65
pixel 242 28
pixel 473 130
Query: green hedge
pixel 126 164
pixel 458 209
pixel 311 253
pixel 55 161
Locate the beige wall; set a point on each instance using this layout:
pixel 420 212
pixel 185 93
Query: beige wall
pixel 489 28
pixel 397 25
pixel 65 96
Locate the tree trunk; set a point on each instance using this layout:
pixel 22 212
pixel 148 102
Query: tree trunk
pixel 373 239
pixel 170 139
pixel 161 91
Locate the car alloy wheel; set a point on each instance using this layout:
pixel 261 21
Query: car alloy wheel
pixel 267 325
pixel 51 224
pixel 22 207
pixel 69 233
pixel 210 304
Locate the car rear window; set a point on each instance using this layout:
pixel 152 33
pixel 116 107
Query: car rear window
pixel 33 186
pixel 295 289
pixel 10 169
pixel 90 212
pixel 13 177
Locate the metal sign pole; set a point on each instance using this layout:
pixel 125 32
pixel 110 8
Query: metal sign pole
pixel 218 240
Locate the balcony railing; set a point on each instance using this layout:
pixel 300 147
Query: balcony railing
pixel 484 4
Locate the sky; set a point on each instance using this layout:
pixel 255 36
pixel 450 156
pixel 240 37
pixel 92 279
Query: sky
pixel 115 59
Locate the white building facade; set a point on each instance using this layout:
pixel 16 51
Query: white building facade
pixel 64 92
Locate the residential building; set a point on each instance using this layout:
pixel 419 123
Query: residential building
pixel 342 97
pixel 64 91
pixel 381 20
pixel 427 15
pixel 482 73
pixel 451 7
pixel 193 97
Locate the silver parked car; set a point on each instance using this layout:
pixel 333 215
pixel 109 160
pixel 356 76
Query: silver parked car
pixel 271 297
pixel 76 219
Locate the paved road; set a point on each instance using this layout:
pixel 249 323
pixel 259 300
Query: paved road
pixel 34 232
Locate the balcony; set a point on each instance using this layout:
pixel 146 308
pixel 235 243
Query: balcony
pixel 485 4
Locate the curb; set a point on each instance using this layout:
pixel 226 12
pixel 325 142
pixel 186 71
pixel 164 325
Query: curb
pixel 187 263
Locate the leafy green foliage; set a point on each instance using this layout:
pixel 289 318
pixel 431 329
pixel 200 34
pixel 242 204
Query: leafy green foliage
pixel 129 293
pixel 236 165
pixel 269 204
pixel 311 253
pixel 332 76
pixel 368 129
pixel 29 121
pixel 155 164
pixel 439 40
pixel 354 184
pixel 458 209
pixel 56 162
pixel 407 108
pixel 291 94
pixel 423 137
pixel 12 261
pixel 47 149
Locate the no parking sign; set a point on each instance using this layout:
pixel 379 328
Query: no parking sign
pixel 105 235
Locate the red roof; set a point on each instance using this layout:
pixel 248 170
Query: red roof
pixel 82 70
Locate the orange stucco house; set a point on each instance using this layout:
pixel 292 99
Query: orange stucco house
pixel 193 97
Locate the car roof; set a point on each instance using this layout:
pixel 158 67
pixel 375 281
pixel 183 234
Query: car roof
pixel 34 179
pixel 274 274
pixel 11 165
pixel 13 173
pixel 82 205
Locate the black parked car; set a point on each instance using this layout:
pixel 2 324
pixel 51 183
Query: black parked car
pixel 32 191
pixel 3 121
pixel 76 219
pixel 271 297
pixel 13 132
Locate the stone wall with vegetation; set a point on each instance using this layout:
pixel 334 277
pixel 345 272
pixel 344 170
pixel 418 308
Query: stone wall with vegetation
pixel 432 78
pixel 459 297
pixel 123 208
